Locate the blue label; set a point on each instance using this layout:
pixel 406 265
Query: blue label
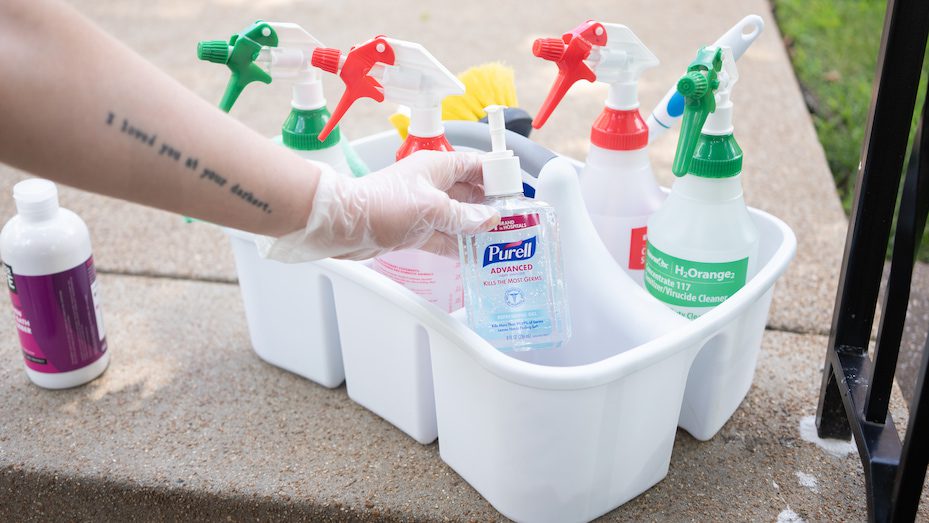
pixel 508 252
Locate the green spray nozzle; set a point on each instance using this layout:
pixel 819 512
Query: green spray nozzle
pixel 698 87
pixel 239 55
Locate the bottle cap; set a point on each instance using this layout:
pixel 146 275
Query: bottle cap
pixel 302 127
pixel 36 198
pixel 619 130
pixel 716 156
pixel 502 173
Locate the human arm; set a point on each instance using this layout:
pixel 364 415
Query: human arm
pixel 82 109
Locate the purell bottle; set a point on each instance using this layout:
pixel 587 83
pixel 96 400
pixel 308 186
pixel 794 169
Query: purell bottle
pixel 53 286
pixel 513 276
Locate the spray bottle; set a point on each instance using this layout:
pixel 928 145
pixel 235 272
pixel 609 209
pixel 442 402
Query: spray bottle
pixel 703 244
pixel 514 278
pixel 386 69
pixel 617 182
pixel 669 110
pixel 275 50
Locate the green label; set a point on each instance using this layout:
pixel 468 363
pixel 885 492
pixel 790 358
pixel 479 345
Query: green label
pixel 686 283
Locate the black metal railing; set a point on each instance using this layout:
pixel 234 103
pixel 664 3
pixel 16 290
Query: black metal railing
pixel 856 389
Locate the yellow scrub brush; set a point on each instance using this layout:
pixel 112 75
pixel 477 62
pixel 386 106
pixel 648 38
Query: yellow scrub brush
pixel 488 84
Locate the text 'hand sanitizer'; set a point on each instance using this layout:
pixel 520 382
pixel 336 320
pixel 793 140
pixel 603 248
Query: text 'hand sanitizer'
pixel 702 243
pixel 386 69
pixel 617 182
pixel 513 275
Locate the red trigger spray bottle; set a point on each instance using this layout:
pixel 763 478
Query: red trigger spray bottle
pixel 617 182
pixel 386 69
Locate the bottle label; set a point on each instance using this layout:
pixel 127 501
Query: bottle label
pixel 435 278
pixel 637 245
pixel 692 288
pixel 514 282
pixel 58 318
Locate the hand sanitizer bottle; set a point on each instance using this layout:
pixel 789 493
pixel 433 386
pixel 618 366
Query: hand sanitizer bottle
pixel 513 275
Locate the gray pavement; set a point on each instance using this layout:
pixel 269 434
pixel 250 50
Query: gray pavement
pixel 188 423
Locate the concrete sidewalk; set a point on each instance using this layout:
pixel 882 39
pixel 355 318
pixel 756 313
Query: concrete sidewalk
pixel 189 424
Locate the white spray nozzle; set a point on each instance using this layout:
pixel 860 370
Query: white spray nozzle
pixel 397 71
pixel 619 64
pixel 419 81
pixel 290 59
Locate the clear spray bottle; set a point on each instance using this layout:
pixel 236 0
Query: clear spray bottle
pixel 617 183
pixel 514 279
pixel 702 243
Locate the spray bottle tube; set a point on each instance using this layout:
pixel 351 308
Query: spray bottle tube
pixel 617 182
pixel 397 71
pixel 703 244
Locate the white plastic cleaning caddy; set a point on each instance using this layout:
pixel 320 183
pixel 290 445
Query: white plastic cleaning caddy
pixel 558 435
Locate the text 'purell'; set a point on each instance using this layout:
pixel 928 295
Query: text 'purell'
pixel 513 251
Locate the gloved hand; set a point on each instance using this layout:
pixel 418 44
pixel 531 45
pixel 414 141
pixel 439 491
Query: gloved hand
pixel 421 202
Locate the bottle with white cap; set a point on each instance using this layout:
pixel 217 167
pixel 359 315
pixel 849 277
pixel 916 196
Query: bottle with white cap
pixel 53 287
pixel 513 274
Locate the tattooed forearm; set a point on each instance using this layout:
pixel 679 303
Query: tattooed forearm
pixel 166 150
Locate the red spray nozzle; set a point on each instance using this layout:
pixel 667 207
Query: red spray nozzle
pixel 569 54
pixel 354 73
pixel 327 59
pixel 551 49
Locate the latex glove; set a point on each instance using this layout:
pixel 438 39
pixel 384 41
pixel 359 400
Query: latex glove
pixel 421 202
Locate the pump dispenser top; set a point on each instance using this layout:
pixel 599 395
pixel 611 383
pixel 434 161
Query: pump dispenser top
pixel 502 173
pixel 397 71
pixel 594 51
pixel 706 146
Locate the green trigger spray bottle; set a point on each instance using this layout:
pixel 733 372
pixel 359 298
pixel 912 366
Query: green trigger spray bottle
pixel 273 50
pixel 702 243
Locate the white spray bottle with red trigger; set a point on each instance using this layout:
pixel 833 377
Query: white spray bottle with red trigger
pixel 617 182
pixel 397 71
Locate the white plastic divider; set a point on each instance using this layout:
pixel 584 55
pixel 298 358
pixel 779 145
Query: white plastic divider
pixel 559 435
pixel 290 312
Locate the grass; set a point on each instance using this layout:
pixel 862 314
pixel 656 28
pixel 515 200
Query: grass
pixel 833 45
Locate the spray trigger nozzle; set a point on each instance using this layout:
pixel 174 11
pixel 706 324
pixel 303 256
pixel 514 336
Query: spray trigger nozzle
pixel 393 70
pixel 594 51
pixel 263 51
pixel 698 86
